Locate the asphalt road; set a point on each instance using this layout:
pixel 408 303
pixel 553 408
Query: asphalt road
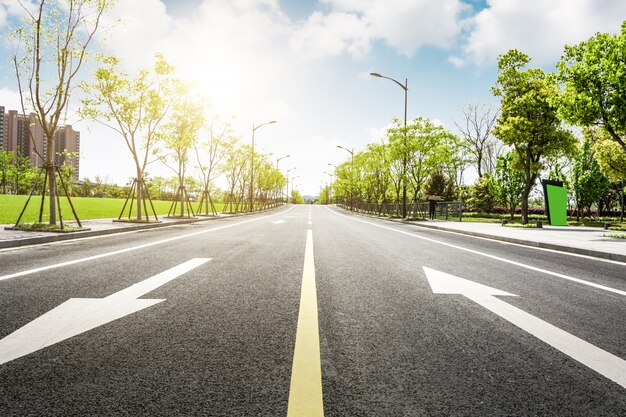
pixel 222 340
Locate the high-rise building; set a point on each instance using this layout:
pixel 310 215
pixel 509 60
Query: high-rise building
pixel 67 148
pixel 1 127
pixel 24 136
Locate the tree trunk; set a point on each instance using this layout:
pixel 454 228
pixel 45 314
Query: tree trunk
pixel 52 183
pixel 140 186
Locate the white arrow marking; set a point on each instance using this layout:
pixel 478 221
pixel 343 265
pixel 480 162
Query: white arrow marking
pixel 278 222
pixel 603 362
pixel 78 315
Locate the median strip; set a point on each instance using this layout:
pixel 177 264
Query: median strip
pixel 305 393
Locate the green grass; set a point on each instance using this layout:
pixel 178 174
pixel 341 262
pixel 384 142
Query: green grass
pixel 86 207
pixel 616 235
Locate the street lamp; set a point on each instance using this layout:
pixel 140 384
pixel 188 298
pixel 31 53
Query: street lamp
pixel 282 157
pixel 405 87
pixel 287 194
pixel 351 173
pixel 254 128
pixel 330 186
pixel 297 176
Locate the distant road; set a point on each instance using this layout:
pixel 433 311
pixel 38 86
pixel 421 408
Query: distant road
pixel 305 311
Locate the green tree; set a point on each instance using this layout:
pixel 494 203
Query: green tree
pixel 608 153
pixel 50 48
pixel 296 197
pixel 528 121
pixel 210 156
pixel 180 135
pixel 439 184
pixel 428 147
pixel 22 174
pixel 595 82
pixel 509 181
pixel 588 183
pixel 134 108
pixel 6 158
pixel 484 194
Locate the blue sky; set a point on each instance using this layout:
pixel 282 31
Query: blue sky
pixel 306 65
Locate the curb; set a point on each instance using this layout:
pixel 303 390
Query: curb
pixel 542 245
pixel 560 248
pixel 58 237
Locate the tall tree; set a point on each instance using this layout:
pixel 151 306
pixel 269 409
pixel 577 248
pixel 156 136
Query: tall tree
pixel 528 121
pixel 49 50
pixel 595 84
pixel 588 183
pixel 510 182
pixel 180 135
pixel 429 147
pixel 210 156
pixel 477 136
pixel 135 108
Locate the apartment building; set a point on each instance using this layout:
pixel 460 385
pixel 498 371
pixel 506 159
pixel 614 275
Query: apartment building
pixel 24 136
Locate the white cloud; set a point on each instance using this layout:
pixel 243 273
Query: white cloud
pixel 405 25
pixel 538 27
pixel 139 28
pixel 10 99
pixel 12 9
pixel 332 34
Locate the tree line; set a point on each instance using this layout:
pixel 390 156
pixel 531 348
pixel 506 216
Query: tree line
pixel 530 136
pixel 158 116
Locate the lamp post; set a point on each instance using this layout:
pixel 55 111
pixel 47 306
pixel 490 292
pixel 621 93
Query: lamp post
pixel 351 173
pixel 297 176
pixel 330 186
pixel 254 128
pixel 287 193
pixel 405 87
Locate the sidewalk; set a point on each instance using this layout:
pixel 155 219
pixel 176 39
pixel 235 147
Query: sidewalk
pixel 98 227
pixel 590 241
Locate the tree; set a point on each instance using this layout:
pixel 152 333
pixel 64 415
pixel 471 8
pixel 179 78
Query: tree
pixel 478 139
pixel 180 135
pixel 49 50
pixel 215 148
pixel 6 157
pixel 588 183
pixel 509 181
pixel 595 81
pixel 426 146
pixel 134 108
pixel 439 184
pixel 528 121
pixel 608 153
pixel 22 174
pixel 484 194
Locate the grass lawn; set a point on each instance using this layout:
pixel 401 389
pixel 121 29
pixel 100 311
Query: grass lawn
pixel 86 207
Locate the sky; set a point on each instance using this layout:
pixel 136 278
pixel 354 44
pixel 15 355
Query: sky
pixel 306 64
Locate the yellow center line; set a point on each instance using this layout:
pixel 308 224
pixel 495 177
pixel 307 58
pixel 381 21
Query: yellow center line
pixel 305 393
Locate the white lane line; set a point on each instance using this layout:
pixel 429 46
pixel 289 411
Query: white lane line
pixel 129 249
pixel 497 258
pixel 305 391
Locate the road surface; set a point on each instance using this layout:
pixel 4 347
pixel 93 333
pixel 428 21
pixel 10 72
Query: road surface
pixel 308 310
